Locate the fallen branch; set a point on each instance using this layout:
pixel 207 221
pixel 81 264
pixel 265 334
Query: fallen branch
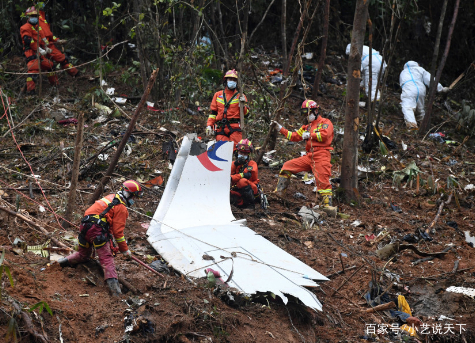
pixel 43 230
pixel 441 207
pixel 346 281
pixel 340 272
pixel 147 267
pixel 381 307
pixel 125 138
pixel 29 323
pixel 430 258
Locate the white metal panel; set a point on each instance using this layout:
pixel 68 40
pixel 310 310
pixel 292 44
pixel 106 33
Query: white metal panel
pixel 194 219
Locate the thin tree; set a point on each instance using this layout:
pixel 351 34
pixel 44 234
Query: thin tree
pixel 323 50
pixel 247 4
pixel 283 28
pixel 349 176
pixel 435 55
pixel 426 122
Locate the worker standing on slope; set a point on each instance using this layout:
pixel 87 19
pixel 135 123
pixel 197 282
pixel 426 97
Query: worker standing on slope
pixel 104 219
pixel 376 61
pixel 318 134
pixel 224 120
pixel 244 176
pixel 413 81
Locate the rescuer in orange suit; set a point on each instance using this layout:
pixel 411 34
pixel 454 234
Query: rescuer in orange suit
pixel 103 220
pixel 319 135
pixel 244 176
pixel 29 35
pixel 56 55
pixel 48 51
pixel 224 120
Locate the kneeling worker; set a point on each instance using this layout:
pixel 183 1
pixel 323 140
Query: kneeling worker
pixel 244 176
pixel 104 219
pixel 319 135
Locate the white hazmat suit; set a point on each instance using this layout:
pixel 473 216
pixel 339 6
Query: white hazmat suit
pixel 375 67
pixel 413 80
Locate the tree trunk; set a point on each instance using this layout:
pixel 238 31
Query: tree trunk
pixel 283 28
pixel 369 131
pixel 241 57
pixel 140 48
pixel 75 172
pixel 123 142
pixel 323 50
pixel 349 175
pixel 426 122
pixel 226 54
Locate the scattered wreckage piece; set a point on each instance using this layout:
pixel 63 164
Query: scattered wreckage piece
pixel 194 229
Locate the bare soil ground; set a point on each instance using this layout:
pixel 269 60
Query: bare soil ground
pixel 176 310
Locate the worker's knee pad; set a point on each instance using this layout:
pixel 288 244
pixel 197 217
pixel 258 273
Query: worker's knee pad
pixel 83 242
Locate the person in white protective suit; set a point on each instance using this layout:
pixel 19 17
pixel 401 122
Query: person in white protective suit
pixel 376 61
pixel 413 80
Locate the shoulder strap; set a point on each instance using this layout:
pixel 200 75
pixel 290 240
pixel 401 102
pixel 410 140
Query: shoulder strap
pixel 110 204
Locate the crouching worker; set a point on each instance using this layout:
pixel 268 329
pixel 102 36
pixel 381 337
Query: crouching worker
pixel 318 135
pixel 102 222
pixel 244 176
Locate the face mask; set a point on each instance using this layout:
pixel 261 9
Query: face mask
pixel 232 84
pixel 242 158
pixel 311 117
pixel 33 20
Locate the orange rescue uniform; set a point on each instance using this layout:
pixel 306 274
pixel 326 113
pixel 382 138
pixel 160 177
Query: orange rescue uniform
pixel 318 155
pixel 29 37
pixel 238 181
pixel 49 40
pixel 227 121
pixel 116 218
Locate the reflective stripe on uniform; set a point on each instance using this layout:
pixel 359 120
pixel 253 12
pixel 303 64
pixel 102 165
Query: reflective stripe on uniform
pixel 28 79
pixel 220 100
pixel 325 191
pixel 211 116
pixel 242 175
pixel 319 136
pixel 300 131
pixel 120 240
pixel 289 135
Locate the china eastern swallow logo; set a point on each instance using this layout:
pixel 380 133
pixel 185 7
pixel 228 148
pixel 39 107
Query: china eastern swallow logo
pixel 206 157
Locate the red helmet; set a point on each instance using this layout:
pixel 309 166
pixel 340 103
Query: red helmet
pixel 231 73
pixel 244 145
pixel 133 187
pixel 309 105
pixel 31 11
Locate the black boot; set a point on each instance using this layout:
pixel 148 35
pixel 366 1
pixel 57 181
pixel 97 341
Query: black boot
pixel 233 199
pixel 114 287
pixel 64 262
pixel 248 196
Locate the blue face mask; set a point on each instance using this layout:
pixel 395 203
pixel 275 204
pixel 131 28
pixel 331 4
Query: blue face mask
pixel 232 84
pixel 33 20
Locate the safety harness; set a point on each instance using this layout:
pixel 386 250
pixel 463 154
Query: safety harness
pixel 225 122
pixel 101 221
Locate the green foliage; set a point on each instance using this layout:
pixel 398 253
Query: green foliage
pixel 6 269
pixel 40 306
pixel 466 119
pixel 11 335
pixel 108 11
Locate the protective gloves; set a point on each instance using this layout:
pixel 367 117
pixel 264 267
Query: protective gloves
pixel 445 89
pixel 209 131
pixel 49 51
pixel 42 52
pixel 61 41
pixel 306 135
pixel 246 175
pixel 277 125
pixel 242 98
pixel 127 254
